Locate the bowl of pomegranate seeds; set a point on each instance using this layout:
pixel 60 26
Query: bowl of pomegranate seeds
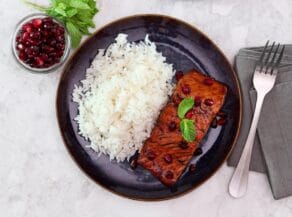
pixel 40 43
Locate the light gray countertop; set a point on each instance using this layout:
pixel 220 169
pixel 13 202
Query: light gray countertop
pixel 38 177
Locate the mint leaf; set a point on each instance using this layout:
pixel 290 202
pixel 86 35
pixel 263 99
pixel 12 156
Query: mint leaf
pixel 187 127
pixel 71 12
pixel 79 4
pixel 185 106
pixel 74 33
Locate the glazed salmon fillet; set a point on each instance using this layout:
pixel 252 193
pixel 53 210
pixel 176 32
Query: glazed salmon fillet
pixel 165 153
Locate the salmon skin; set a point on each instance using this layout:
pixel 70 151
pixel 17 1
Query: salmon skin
pixel 165 153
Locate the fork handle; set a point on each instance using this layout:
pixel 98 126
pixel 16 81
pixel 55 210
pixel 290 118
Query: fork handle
pixel 239 180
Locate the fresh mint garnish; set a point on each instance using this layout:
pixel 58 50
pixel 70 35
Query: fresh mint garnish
pixel 187 128
pixel 185 105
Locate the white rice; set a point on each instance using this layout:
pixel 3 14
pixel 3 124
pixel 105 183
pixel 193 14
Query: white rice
pixel 121 97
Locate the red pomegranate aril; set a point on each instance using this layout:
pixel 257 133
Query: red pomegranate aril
pixel 198 100
pixel 22 56
pixel 151 155
pixel 169 174
pixel 48 20
pixel 27 28
pixel 214 123
pixel 209 102
pixel 35 35
pixel 186 89
pixel 37 23
pixel 53 43
pixel 198 151
pixel 190 114
pixel 172 126
pixel 192 168
pixel 221 114
pixel 179 75
pixel 44 57
pixel 20 47
pixel 167 158
pixel 48 49
pixel 183 145
pixel 221 121
pixel 60 47
pixel 208 81
pixel 134 163
pixel 25 36
pixel 39 61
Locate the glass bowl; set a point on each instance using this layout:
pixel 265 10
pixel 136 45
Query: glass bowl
pixel 15 51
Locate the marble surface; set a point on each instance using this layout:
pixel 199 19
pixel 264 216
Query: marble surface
pixel 37 176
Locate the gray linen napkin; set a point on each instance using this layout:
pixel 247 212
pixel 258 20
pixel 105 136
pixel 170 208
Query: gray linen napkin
pixel 273 144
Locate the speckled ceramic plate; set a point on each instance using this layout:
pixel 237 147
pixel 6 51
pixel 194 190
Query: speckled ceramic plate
pixel 185 47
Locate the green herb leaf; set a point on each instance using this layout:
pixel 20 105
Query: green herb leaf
pixel 71 12
pixel 74 33
pixel 185 106
pixel 187 128
pixel 79 4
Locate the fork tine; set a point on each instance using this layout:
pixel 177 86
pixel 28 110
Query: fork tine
pixel 263 53
pixel 280 57
pixel 267 62
pixel 278 60
pixel 269 66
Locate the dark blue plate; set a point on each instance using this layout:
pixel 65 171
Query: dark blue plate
pixel 185 47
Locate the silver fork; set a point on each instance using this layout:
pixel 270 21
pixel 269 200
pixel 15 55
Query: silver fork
pixel 263 80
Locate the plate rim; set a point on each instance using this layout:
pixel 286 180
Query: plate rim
pixel 234 78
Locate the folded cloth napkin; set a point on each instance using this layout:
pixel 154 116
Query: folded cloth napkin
pixel 272 152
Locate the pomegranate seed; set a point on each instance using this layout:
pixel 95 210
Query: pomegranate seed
pixel 39 61
pixel 209 102
pixel 27 28
pixel 44 57
pixel 214 123
pixel 208 81
pixel 169 175
pixel 60 38
pixel 37 23
pixel 22 56
pixel 60 47
pixel 151 155
pixel 53 43
pixel 18 39
pixel 35 35
pixel 48 20
pixel 186 89
pixel 198 151
pixel 179 75
pixel 199 136
pixel 134 163
pixel 183 145
pixel 221 114
pixel 198 100
pixel 25 36
pixel 192 168
pixel 221 121
pixel 172 126
pixel 20 47
pixel 167 158
pixel 190 114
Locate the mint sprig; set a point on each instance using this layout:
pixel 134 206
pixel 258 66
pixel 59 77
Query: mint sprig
pixel 185 105
pixel 187 126
pixel 77 16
